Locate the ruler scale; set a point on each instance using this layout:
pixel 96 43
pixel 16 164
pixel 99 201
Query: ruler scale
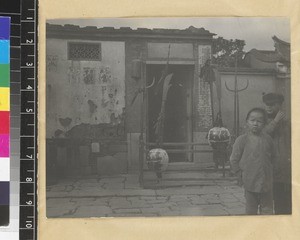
pixel 28 139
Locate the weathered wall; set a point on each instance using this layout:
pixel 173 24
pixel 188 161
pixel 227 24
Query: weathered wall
pixel 180 51
pixel 285 89
pixel 84 92
pixel 202 120
pixel 253 62
pixel 135 49
pixel 248 99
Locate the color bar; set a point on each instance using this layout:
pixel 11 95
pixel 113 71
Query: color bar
pixel 4 119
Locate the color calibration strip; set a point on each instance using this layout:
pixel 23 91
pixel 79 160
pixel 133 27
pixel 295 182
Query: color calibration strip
pixel 4 119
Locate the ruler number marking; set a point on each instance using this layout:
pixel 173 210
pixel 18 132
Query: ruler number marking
pixel 28 179
pixel 29 224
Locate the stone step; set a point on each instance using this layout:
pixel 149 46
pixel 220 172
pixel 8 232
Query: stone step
pixel 200 175
pixel 153 184
pixel 179 167
pixel 187 178
pixel 168 184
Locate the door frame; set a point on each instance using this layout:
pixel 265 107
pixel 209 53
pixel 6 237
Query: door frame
pixel 189 113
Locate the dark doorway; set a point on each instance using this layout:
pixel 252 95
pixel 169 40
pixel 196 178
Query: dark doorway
pixel 178 108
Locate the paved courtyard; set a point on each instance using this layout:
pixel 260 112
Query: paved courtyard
pixel 121 196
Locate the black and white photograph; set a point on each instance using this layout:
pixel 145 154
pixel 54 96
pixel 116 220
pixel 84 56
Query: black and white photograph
pixel 160 117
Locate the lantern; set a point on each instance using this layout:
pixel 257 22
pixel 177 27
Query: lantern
pixel 219 139
pixel 157 160
pixel 218 135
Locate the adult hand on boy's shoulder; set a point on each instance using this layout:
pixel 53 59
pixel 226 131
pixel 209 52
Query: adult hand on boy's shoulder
pixel 279 116
pixel 276 123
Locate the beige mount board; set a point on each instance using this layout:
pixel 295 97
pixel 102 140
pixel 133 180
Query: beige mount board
pixel 238 227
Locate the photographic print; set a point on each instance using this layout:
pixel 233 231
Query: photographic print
pixel 155 117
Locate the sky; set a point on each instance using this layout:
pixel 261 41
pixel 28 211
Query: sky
pixel 256 31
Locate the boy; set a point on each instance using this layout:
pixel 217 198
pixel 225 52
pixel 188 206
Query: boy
pixel 278 127
pixel 253 157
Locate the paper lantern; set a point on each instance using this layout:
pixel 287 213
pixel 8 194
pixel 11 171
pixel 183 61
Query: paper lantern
pixel 218 135
pixel 157 159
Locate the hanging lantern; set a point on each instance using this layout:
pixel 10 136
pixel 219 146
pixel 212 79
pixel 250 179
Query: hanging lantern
pixel 157 160
pixel 218 135
pixel 219 139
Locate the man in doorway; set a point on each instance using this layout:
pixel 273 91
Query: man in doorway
pixel 278 127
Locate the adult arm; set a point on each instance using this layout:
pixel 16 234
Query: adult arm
pixel 288 138
pixel 274 157
pixel 273 125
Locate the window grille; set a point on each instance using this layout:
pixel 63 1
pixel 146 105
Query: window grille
pixel 84 51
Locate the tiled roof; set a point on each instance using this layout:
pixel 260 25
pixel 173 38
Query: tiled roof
pixel 191 31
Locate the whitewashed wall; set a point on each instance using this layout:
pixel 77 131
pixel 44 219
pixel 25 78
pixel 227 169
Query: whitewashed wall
pixel 90 92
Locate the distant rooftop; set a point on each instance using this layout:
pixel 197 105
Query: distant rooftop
pixel 282 48
pixel 280 54
pixel 265 56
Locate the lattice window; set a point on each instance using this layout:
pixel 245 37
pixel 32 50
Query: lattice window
pixel 84 51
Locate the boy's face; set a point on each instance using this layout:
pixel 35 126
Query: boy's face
pixel 255 122
pixel 272 108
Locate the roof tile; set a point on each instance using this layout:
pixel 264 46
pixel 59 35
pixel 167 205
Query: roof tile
pixel 190 31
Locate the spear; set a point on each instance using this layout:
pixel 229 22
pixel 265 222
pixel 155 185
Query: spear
pixel 165 78
pixel 159 125
pixel 236 100
pixel 164 72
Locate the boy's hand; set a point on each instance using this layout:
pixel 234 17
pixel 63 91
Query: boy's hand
pixel 239 178
pixel 279 116
pixel 231 174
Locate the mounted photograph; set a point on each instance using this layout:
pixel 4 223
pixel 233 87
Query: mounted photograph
pixel 156 117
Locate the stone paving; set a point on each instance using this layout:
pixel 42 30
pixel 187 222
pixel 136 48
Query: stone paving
pixel 121 196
